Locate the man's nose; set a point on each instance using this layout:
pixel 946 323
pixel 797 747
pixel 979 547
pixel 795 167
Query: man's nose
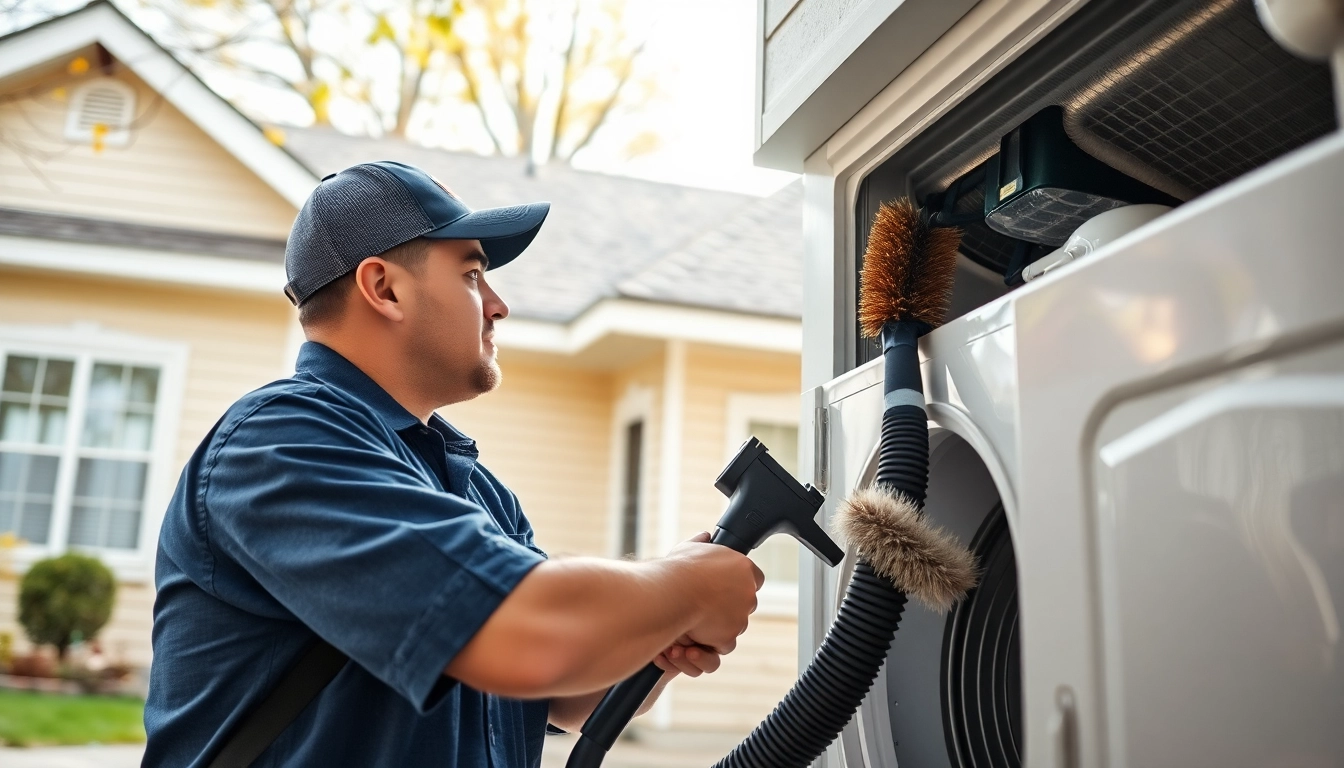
pixel 494 307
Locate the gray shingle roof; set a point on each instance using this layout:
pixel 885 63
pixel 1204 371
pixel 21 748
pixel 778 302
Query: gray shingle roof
pixel 610 236
pixel 78 229
pixel 752 262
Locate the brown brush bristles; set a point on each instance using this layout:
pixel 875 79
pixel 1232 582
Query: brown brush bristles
pixel 923 561
pixel 907 269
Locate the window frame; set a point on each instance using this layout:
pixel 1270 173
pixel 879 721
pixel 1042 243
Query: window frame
pixel 86 344
pixel 775 598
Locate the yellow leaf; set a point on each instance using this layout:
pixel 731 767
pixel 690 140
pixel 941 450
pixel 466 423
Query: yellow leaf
pixel 320 100
pixel 99 131
pixel 8 540
pixel 274 135
pixel 78 66
pixel 58 94
pixel 382 30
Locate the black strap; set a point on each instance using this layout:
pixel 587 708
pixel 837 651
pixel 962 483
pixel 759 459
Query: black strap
pixel 315 668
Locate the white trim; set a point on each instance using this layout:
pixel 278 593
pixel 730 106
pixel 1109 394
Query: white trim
pixel 172 268
pixel 635 404
pixel 85 342
pixel 775 598
pixel 671 424
pixel 654 321
pixel 627 317
pixel 102 23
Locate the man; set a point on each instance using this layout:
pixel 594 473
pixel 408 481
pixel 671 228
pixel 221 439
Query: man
pixel 337 505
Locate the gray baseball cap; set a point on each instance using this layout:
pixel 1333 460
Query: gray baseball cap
pixel 370 208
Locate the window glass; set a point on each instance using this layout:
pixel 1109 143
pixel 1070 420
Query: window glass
pixel 778 556
pixel 106 507
pixel 34 402
pixel 634 449
pixel 27 490
pixel 121 407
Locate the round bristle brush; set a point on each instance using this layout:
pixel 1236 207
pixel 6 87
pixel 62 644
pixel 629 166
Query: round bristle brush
pixel 906 286
pixel 904 292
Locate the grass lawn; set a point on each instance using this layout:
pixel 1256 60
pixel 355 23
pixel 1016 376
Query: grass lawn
pixel 29 719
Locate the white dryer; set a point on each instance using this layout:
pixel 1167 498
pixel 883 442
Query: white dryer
pixel 1145 445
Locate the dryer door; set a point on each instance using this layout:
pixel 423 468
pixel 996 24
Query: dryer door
pixel 1196 368
pixel 950 692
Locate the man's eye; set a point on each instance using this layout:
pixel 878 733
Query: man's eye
pixel 474 274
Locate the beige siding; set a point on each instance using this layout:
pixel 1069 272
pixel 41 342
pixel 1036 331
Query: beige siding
pixel 758 674
pixel 236 344
pixel 171 174
pixel 546 434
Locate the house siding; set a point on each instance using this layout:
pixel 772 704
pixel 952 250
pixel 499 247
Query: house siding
pixel 546 434
pixel 171 173
pixel 235 344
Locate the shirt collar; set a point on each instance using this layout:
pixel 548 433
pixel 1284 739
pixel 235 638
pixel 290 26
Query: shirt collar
pixel 326 365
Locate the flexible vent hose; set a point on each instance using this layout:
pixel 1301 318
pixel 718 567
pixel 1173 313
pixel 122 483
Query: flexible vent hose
pixel 824 699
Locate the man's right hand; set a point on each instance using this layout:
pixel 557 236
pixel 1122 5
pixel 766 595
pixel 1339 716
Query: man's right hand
pixel 577 625
pixel 725 583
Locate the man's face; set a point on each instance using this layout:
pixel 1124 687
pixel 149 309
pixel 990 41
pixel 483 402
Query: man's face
pixel 452 321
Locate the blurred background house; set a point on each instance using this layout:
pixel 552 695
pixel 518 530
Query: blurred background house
pixel 654 328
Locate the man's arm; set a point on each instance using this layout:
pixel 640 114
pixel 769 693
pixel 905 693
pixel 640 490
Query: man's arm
pixel 575 626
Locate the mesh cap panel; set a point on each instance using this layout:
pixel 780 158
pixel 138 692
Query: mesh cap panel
pixel 361 212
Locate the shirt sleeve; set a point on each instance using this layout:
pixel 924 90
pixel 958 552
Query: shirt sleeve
pixel 356 542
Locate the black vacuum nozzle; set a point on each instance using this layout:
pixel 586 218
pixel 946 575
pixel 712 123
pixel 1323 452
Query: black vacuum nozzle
pixel 765 499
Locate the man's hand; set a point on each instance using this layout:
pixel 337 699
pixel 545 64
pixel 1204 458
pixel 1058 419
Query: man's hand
pixel 688 659
pixel 729 582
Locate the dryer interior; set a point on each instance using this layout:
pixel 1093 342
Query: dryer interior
pixel 1173 96
pixel 953 683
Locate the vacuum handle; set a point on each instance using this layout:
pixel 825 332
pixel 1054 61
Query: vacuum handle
pixel 623 700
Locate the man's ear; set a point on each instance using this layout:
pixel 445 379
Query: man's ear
pixel 375 281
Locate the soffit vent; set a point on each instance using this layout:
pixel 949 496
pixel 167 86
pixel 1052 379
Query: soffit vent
pixel 105 102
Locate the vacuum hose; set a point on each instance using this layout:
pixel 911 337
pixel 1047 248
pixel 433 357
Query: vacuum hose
pixel 824 699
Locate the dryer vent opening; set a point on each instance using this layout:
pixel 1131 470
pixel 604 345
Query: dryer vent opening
pixel 981 661
pixel 952 682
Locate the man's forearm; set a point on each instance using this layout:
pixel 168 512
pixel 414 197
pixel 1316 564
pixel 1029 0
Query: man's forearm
pixel 553 635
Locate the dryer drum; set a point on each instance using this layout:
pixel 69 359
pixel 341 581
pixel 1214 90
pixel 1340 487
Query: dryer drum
pixel 982 694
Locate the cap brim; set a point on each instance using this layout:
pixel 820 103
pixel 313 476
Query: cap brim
pixel 504 232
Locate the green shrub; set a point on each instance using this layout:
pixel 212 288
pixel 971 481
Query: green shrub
pixel 64 599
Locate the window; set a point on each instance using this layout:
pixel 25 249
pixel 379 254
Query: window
pixel 633 465
pixel 772 419
pixel 83 443
pixel 629 434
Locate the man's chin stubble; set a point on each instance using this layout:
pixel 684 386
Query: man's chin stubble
pixel 488 377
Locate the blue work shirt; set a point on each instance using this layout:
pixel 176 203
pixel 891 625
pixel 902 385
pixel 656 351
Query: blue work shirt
pixel 319 505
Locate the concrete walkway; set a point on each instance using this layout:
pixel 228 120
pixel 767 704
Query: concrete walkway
pixel 93 756
pixel 664 750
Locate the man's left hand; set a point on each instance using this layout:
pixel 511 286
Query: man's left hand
pixel 688 659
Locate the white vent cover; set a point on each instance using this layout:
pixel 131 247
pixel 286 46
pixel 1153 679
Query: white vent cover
pixel 105 101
